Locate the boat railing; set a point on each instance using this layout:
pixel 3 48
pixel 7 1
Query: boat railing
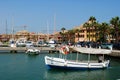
pixel 86 61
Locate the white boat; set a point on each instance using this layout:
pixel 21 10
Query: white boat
pixel 29 44
pixel 52 43
pixel 12 43
pixel 63 63
pixel 33 51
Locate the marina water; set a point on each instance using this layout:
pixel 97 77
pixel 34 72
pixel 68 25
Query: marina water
pixel 32 67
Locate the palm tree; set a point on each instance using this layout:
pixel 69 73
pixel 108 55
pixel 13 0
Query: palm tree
pixel 96 30
pixel 90 26
pixel 92 19
pixel 92 22
pixel 63 29
pixel 77 31
pixel 63 33
pixel 104 31
pixel 116 25
pixel 87 26
pixel 71 35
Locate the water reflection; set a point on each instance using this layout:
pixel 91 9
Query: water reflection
pixel 55 74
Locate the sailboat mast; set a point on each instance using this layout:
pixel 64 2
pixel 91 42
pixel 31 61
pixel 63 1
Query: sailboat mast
pixel 54 23
pixel 12 29
pixel 6 28
pixel 47 31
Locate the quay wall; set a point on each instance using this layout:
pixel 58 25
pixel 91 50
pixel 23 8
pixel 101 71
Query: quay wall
pixel 24 49
pixel 115 53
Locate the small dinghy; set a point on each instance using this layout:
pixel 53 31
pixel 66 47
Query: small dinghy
pixel 33 51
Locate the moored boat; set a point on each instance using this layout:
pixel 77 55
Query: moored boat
pixel 33 51
pixel 63 63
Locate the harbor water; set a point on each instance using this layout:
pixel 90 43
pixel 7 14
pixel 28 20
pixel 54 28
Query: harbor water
pixel 17 66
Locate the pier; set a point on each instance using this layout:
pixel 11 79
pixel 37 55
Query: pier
pixel 24 49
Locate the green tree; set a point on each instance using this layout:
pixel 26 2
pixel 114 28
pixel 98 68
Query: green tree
pixel 96 30
pixel 63 33
pixel 90 26
pixel 116 25
pixel 87 26
pixel 92 19
pixel 71 35
pixel 77 31
pixel 92 22
pixel 63 29
pixel 104 31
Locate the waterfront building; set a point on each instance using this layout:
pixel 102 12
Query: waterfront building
pixel 57 36
pixel 23 34
pixel 32 36
pixel 83 35
pixel 4 37
pixel 78 33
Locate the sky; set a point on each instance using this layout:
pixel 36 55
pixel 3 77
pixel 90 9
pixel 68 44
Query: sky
pixel 48 16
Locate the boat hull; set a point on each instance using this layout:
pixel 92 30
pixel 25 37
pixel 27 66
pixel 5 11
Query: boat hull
pixel 32 51
pixel 59 63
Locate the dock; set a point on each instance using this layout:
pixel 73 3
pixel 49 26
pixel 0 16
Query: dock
pixel 24 49
pixel 115 53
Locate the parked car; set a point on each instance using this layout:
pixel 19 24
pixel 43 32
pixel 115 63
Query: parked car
pixel 29 43
pixel 93 44
pixel 116 46
pixel 20 44
pixel 80 44
pixel 87 44
pixel 106 46
pixel 41 43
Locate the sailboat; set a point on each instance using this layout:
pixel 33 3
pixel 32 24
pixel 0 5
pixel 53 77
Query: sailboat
pixel 12 41
pixel 63 63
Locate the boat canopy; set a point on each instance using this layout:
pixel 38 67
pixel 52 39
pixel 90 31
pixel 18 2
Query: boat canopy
pixel 92 50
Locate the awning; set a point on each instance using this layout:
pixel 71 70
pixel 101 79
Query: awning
pixel 92 50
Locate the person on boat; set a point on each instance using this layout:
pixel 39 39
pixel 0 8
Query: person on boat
pixel 100 58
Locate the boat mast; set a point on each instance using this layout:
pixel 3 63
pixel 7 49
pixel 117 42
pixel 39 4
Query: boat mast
pixel 12 29
pixel 47 31
pixel 54 25
pixel 6 27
